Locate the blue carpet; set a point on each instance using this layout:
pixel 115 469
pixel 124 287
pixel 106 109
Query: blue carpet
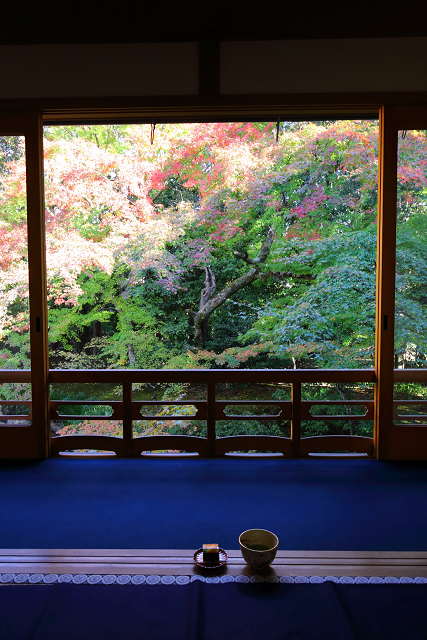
pixel 309 504
pixel 209 612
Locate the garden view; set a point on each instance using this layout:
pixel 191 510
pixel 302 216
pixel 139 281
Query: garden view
pixel 225 245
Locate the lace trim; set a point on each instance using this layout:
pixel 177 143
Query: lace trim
pixel 54 578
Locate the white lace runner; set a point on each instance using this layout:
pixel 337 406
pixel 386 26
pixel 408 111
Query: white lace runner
pixel 125 579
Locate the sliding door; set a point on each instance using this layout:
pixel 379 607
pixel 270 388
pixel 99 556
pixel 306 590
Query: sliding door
pixel 401 402
pixel 23 364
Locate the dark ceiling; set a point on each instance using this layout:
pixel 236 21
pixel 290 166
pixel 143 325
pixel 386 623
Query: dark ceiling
pixel 76 21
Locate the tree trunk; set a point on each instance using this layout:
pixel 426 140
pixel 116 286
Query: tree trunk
pixel 208 304
pixel 131 356
pixel 201 318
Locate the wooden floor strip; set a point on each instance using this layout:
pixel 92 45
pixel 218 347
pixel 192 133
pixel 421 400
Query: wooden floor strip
pixel 180 562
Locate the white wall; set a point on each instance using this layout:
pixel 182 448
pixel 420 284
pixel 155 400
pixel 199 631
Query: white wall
pixel 156 69
pixel 323 66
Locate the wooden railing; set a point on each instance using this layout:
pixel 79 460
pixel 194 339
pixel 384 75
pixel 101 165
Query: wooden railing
pixel 407 436
pixel 409 375
pixel 20 377
pixel 211 410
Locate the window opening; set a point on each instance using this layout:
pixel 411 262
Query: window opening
pixel 410 335
pixel 219 245
pixel 15 397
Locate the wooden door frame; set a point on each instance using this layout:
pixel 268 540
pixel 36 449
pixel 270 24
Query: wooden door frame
pixel 392 442
pixel 33 441
pixel 36 442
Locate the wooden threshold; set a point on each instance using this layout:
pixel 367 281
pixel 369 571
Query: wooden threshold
pixel 180 562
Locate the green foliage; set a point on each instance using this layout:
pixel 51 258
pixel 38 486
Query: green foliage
pixel 132 226
pixel 330 322
pixel 104 136
pixel 12 149
pixel 225 428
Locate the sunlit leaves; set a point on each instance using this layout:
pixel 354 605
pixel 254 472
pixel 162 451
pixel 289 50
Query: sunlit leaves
pixel 132 225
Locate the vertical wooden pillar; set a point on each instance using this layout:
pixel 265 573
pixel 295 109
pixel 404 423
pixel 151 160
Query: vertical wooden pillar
pixel 127 419
pixel 37 283
pixel 210 427
pixel 296 419
pixel 386 261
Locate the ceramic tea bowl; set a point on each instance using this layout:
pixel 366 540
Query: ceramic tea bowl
pixel 258 547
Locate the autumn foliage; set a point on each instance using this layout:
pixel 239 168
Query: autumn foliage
pixel 133 230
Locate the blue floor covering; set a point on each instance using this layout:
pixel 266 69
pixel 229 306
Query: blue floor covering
pixel 177 503
pixel 214 612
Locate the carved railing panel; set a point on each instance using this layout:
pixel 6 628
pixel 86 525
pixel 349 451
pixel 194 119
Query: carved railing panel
pixel 212 410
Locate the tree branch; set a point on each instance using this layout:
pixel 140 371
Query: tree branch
pixel 209 304
pixel 263 252
pixel 209 288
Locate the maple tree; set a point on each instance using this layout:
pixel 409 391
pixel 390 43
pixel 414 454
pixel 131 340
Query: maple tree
pixel 217 245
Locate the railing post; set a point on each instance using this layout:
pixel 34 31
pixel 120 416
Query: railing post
pixel 211 435
pixel 296 419
pixel 127 419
